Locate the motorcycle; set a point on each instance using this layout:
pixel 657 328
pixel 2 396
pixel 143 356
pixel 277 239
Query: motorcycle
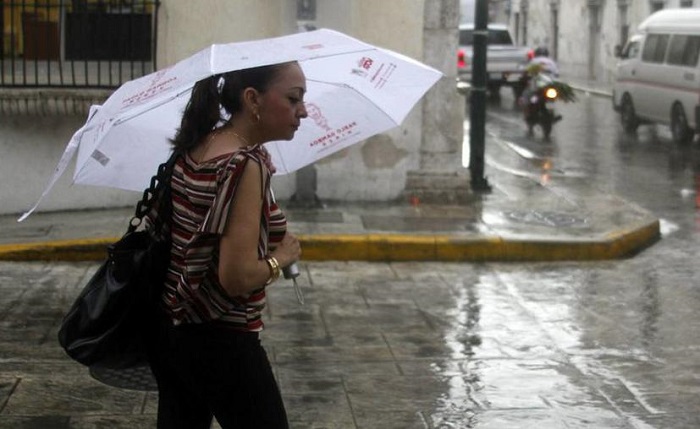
pixel 536 108
pixel 536 99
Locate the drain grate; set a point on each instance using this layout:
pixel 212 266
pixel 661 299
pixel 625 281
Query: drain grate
pixel 553 219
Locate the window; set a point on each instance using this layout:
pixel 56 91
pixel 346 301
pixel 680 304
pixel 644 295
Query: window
pixel 76 43
pixel 306 10
pixel 655 48
pixel 656 6
pixel 686 3
pixel 684 50
pixel 466 37
pixel 631 51
pixel 499 37
pixel 495 37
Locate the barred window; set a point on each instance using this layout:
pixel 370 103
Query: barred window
pixel 76 43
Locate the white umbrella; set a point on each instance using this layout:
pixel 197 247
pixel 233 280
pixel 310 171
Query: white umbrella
pixel 354 91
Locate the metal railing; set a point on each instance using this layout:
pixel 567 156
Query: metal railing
pixel 96 44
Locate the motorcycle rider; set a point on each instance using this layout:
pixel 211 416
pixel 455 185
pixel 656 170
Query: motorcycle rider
pixel 541 71
pixel 547 64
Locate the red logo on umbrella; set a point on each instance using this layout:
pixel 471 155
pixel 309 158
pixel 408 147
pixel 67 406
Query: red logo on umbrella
pixel 316 115
pixel 365 63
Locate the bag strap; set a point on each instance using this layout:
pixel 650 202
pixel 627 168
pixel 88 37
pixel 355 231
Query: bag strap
pixel 158 191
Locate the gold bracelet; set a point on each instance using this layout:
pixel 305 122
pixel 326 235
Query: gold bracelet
pixel 274 269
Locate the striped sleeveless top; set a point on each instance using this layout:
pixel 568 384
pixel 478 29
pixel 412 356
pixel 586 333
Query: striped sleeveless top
pixel 201 195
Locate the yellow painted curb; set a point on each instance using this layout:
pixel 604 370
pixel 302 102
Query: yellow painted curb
pixel 393 247
pixel 90 249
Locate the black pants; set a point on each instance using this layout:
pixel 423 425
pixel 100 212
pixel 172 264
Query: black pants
pixel 206 371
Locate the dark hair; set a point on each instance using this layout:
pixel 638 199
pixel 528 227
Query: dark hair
pixel 203 110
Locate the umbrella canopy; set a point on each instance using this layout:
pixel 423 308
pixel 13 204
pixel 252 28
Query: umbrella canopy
pixel 354 91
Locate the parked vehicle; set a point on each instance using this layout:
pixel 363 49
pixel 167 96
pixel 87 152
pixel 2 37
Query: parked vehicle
pixel 658 74
pixel 505 62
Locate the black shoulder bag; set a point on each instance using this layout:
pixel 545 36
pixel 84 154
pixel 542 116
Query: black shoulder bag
pixel 115 317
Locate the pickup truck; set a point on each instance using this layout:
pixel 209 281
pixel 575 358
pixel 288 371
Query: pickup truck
pixel 505 62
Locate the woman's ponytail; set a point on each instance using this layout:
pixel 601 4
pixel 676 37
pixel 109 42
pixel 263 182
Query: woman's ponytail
pixel 201 114
pixel 210 95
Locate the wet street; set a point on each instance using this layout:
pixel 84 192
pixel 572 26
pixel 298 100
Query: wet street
pixel 589 145
pixel 634 323
pixel 610 345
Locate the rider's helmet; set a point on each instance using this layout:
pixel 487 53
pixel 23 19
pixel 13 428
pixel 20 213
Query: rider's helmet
pixel 542 51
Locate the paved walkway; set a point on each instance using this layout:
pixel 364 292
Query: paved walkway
pixel 406 345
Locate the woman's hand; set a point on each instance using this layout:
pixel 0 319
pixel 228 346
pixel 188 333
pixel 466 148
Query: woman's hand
pixel 288 250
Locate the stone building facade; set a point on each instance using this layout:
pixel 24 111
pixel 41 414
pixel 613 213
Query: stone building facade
pixel 582 34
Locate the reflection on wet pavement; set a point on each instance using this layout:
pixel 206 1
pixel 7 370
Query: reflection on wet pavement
pixel 415 345
pixel 509 345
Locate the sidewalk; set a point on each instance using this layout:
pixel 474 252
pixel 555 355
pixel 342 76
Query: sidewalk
pixel 590 86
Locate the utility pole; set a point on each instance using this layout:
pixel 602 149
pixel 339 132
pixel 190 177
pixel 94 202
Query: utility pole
pixel 477 111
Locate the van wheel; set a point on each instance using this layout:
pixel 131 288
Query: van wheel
pixel 629 119
pixel 680 130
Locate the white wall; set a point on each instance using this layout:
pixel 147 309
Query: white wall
pixel 377 168
pixel 30 147
pixel 188 26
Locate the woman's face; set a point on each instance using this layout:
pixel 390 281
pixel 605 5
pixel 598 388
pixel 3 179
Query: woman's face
pixel 282 104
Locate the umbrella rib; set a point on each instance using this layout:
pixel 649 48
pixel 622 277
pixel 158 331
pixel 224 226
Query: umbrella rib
pixel 339 53
pixel 150 106
pixel 346 86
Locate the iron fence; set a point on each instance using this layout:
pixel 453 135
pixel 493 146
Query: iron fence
pixel 76 43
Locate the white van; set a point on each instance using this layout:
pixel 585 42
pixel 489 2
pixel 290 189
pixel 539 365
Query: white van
pixel 658 75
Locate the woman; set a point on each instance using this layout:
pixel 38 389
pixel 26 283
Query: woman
pixel 229 242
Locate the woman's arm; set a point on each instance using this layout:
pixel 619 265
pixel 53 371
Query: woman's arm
pixel 240 270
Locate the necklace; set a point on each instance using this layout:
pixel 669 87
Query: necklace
pixel 221 132
pixel 235 134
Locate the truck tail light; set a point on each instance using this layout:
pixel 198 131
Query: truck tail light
pixel 461 61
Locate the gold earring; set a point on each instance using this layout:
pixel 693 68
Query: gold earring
pixel 256 117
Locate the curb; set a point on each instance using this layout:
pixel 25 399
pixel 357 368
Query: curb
pixel 395 248
pixel 598 92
